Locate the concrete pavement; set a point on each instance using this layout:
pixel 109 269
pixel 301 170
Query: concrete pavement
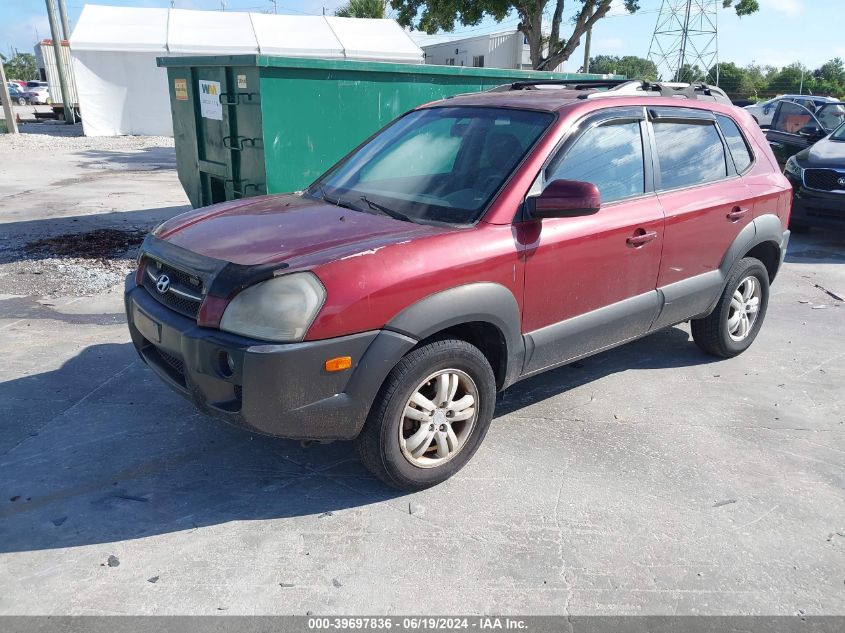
pixel 650 479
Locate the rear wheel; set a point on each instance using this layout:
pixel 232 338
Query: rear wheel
pixel 734 323
pixel 430 415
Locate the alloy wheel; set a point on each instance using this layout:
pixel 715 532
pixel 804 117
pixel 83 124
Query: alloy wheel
pixel 744 308
pixel 438 418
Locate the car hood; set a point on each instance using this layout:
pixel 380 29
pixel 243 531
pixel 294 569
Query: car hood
pixel 285 228
pixel 824 153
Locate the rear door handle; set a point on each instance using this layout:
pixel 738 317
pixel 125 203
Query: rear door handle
pixel 736 213
pixel 641 238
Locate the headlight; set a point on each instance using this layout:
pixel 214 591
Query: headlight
pixel 793 168
pixel 279 310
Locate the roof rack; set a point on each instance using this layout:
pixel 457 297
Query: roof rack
pixel 618 87
pixel 574 84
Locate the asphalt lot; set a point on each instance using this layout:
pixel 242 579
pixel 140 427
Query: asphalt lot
pixel 650 479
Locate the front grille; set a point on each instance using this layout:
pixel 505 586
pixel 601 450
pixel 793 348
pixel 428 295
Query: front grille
pixel 824 179
pixel 177 365
pixel 184 294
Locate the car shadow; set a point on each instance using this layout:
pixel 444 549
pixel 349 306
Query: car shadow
pixel 99 451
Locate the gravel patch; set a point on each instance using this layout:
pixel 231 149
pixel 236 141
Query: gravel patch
pixel 61 276
pixel 77 264
pixel 58 137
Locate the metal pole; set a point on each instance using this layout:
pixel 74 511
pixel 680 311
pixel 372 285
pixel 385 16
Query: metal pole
pixel 684 41
pixel 11 123
pixel 63 18
pixel 801 89
pixel 587 49
pixel 70 117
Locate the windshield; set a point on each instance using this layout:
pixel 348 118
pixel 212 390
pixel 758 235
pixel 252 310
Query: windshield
pixel 831 115
pixel 440 165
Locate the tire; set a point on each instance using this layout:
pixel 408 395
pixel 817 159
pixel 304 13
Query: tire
pixel 420 373
pixel 21 101
pixel 722 333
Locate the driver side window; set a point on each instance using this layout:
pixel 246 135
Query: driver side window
pixel 610 156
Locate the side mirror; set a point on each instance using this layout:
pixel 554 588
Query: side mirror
pixel 564 199
pixel 812 133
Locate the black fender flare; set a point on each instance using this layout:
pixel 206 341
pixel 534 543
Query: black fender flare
pixel 485 302
pixel 764 228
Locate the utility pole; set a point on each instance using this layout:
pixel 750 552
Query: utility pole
pixel 801 89
pixel 63 18
pixel 587 49
pixel 11 123
pixel 275 8
pixel 70 117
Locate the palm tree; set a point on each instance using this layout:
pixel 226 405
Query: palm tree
pixel 361 9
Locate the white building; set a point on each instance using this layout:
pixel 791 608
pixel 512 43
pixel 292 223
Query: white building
pixel 508 49
pixel 122 90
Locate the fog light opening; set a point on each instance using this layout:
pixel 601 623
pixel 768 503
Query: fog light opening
pixel 227 364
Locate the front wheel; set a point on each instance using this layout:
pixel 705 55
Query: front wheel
pixel 430 415
pixel 733 325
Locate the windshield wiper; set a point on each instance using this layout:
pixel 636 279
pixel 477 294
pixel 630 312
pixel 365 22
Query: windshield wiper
pixel 337 201
pixel 397 215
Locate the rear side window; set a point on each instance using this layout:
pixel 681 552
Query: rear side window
pixel 689 153
pixel 610 156
pixel 736 143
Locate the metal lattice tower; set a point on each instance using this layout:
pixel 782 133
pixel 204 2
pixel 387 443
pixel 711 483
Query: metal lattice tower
pixel 684 37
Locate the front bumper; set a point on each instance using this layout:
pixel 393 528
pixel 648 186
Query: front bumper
pixel 816 208
pixel 274 389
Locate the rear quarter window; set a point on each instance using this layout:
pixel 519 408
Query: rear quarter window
pixel 689 153
pixel 737 145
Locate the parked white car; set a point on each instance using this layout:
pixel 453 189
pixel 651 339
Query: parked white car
pixel 764 111
pixel 38 94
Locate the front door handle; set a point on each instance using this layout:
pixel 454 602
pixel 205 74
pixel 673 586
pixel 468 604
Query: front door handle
pixel 641 238
pixel 736 214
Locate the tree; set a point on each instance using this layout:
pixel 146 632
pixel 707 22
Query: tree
pixel 631 66
pixel 830 78
pixel 21 66
pixel 547 49
pixel 361 9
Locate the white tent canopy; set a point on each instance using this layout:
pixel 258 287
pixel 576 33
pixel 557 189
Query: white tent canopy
pixel 122 91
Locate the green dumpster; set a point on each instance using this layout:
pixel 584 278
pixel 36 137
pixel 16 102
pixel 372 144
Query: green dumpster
pixel 248 125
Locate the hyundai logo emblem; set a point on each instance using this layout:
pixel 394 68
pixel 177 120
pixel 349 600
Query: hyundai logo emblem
pixel 163 284
pixel 841 182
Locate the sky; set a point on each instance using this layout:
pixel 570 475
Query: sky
pixel 783 32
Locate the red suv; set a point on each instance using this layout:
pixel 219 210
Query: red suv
pixel 471 243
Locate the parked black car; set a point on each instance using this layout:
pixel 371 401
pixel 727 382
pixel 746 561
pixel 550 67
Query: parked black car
pixel 817 174
pixel 795 128
pixel 16 95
